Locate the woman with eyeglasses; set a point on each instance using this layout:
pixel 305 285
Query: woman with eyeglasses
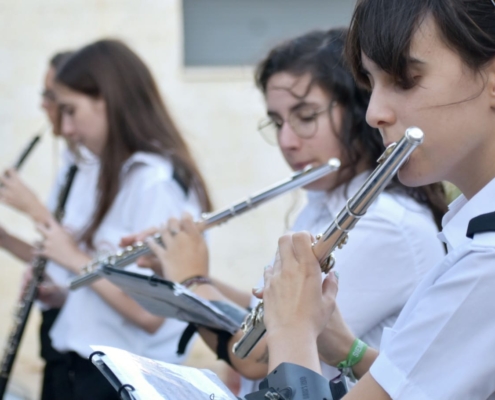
pixel 316 111
pixel 431 64
pixel 16 194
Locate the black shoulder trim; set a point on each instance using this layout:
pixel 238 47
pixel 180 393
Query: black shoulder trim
pixel 181 182
pixel 481 223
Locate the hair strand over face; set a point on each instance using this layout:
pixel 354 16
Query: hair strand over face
pixel 383 31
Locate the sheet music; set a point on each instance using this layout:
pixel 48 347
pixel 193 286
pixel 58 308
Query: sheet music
pixel 156 380
pixel 171 300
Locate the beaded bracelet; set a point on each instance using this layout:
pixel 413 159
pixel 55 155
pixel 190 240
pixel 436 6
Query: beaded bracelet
pixel 195 281
pixel 356 354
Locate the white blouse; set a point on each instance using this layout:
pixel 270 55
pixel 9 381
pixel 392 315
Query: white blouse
pixel 441 346
pixel 77 212
pixel 149 195
pixel 388 252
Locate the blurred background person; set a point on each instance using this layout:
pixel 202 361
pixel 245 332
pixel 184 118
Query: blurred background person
pixel 109 103
pixel 16 194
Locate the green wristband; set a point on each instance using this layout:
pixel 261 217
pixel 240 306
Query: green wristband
pixel 356 354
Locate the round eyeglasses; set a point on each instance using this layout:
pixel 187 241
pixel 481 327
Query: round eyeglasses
pixel 49 95
pixel 303 120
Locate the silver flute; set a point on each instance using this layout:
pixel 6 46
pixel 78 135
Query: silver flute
pixel 337 233
pixel 130 254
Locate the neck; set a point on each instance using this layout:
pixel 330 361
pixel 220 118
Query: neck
pixel 476 172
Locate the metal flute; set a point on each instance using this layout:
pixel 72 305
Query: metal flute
pixel 336 234
pixel 91 272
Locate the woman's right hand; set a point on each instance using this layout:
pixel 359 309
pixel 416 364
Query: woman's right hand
pixel 150 261
pixel 49 293
pixel 17 195
pixel 184 253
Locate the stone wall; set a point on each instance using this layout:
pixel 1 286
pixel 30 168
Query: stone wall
pixel 216 109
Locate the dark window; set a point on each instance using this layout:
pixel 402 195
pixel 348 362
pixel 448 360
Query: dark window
pixel 240 32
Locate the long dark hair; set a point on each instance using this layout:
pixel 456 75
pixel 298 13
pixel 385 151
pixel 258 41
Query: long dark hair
pixel 383 30
pixel 137 119
pixel 321 54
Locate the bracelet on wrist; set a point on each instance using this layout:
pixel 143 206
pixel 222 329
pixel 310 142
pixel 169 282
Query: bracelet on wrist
pixel 355 355
pixel 196 281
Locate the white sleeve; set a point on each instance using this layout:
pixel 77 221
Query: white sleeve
pixel 443 349
pixel 155 204
pixel 377 274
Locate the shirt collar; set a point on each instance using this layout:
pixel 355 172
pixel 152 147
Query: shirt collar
pixel 461 211
pixel 336 199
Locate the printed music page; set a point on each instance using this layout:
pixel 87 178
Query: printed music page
pixel 156 380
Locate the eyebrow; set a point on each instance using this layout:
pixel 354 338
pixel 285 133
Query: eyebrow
pixel 412 61
pixel 415 61
pixel 294 107
pixel 62 106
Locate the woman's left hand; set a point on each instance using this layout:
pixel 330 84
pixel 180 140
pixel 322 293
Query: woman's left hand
pixel 150 261
pixel 185 253
pixel 59 246
pixel 17 195
pixel 295 297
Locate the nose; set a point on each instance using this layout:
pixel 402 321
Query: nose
pixel 287 138
pixel 66 125
pixel 380 112
pixel 44 103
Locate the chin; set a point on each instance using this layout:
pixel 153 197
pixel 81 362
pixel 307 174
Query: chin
pixel 411 177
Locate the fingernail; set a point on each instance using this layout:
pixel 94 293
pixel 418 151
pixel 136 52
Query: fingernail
pixel 257 290
pixel 336 274
pixel 266 267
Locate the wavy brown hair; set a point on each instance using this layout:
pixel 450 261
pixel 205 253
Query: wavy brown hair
pixel 137 119
pixel 321 54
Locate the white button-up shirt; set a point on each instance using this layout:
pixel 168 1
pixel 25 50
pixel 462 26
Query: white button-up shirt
pixel 441 346
pixel 77 212
pixel 148 195
pixel 388 252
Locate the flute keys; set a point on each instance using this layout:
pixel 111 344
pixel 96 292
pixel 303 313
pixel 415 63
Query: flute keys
pixel 342 241
pixel 328 264
pixel 248 322
pixel 390 148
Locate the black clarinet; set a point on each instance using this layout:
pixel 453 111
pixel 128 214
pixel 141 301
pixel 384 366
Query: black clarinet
pixel 25 153
pixel 30 293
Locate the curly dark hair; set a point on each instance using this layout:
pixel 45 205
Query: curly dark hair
pixel 321 54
